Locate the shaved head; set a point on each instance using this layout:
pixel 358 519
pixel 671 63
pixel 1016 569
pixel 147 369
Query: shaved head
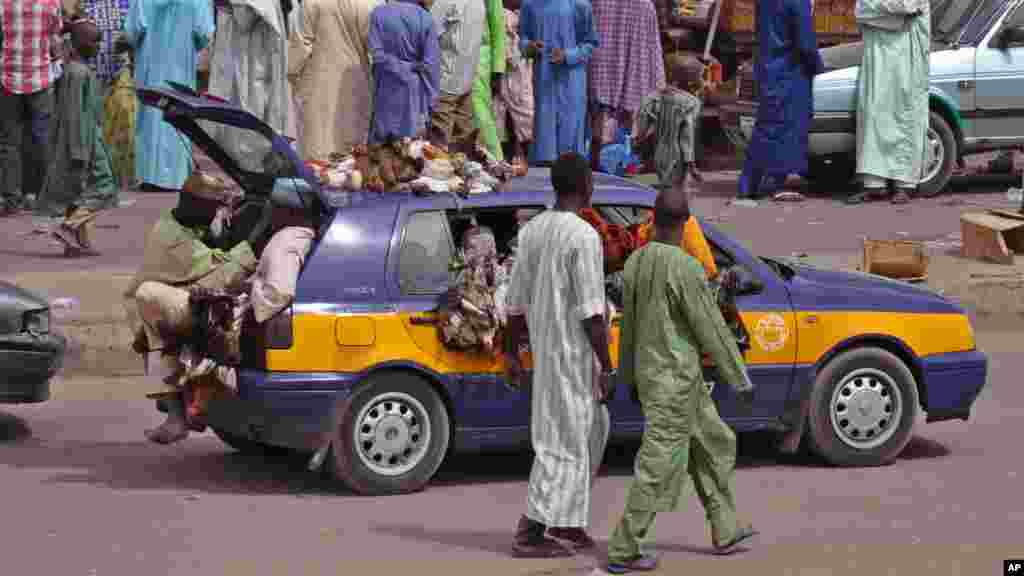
pixel 672 208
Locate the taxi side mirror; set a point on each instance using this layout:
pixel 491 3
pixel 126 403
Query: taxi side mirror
pixel 746 283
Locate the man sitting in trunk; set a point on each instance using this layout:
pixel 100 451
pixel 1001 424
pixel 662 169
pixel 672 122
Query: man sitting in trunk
pixel 178 256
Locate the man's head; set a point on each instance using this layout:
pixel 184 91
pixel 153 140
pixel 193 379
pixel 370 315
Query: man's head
pixel 572 179
pixel 206 200
pixel 671 211
pixel 685 71
pixel 85 38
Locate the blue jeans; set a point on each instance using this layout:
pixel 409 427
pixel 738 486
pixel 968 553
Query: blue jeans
pixel 24 143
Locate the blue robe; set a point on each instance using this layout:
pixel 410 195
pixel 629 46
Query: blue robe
pixel 406 60
pixel 559 90
pixel 787 62
pixel 167 36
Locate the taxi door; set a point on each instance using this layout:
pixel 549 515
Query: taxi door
pixel 425 248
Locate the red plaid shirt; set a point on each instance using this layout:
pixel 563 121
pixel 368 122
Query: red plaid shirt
pixel 628 64
pixel 30 30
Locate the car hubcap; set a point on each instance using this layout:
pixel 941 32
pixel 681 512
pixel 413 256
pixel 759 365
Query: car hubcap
pixel 866 409
pixel 392 434
pixel 935 155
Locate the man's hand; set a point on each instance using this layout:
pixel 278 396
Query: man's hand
pixel 534 49
pixel 496 84
pixel 513 373
pixel 602 387
pixel 557 56
pixel 691 167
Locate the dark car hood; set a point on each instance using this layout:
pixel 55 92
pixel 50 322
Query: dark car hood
pixel 820 287
pixel 14 302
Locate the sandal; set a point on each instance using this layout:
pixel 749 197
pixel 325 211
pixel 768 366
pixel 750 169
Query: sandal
pixel 732 546
pixel 642 563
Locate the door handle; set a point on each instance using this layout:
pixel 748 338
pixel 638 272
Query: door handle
pixel 966 84
pixel 428 318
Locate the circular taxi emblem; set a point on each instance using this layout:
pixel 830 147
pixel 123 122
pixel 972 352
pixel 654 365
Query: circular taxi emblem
pixel 771 332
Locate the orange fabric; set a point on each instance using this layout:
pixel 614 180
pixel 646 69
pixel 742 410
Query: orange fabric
pixel 694 243
pixel 616 240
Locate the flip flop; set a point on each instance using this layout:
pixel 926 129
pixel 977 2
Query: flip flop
pixel 541 549
pixel 732 546
pixel 642 563
pixel 577 540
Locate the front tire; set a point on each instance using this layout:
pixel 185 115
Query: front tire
pixel 862 408
pixel 392 435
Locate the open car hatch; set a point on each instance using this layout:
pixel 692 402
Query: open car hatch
pixel 244 147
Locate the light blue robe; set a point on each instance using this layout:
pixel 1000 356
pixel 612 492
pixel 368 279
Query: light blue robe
pixel 559 90
pixel 406 60
pixel 167 36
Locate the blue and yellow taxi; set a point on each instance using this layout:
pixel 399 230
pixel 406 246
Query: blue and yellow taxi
pixel 354 372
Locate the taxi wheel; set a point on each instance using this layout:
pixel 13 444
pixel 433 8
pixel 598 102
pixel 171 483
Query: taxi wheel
pixel 392 435
pixel 862 408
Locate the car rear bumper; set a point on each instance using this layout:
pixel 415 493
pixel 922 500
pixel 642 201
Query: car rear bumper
pixel 952 383
pixel 27 363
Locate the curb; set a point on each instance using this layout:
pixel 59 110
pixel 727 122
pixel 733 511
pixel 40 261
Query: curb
pixel 100 335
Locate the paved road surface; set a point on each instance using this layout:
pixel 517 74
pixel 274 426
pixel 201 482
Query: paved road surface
pixel 82 494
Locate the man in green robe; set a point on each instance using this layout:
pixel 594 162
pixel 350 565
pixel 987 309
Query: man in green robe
pixel 181 254
pixel 892 97
pixel 488 77
pixel 670 318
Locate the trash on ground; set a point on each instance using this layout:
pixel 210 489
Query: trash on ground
pixel 788 197
pixel 1015 195
pixel 744 202
pixel 993 236
pixel 897 259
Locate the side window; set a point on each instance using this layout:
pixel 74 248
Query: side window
pixel 425 255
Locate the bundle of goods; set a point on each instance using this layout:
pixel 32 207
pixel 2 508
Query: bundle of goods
pixel 412 165
pixel 474 315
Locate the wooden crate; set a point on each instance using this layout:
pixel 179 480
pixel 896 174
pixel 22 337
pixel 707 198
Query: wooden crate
pixel 992 236
pixel 898 259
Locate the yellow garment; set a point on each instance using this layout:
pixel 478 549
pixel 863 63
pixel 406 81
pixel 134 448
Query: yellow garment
pixel 694 243
pixel 119 113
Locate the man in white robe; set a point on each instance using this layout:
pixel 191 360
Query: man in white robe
pixel 557 290
pixel 249 69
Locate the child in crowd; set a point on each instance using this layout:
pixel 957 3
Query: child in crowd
pixel 513 105
pixel 80 182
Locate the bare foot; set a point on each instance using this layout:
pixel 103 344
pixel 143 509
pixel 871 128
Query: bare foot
pixel 170 432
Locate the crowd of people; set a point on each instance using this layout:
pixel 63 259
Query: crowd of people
pixel 331 74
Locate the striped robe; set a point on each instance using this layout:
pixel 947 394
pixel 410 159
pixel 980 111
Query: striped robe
pixel 557 283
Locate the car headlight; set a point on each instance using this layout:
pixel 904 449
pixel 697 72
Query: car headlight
pixel 37 321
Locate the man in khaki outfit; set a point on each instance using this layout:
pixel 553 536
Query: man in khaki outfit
pixel 178 256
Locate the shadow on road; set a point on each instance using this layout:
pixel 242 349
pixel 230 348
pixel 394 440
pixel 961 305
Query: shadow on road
pixel 13 429
pixel 203 465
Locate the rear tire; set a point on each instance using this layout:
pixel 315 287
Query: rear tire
pixel 943 141
pixel 863 407
pixel 391 435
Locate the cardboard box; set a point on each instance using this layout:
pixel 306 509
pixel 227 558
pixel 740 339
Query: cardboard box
pixel 993 236
pixel 897 259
